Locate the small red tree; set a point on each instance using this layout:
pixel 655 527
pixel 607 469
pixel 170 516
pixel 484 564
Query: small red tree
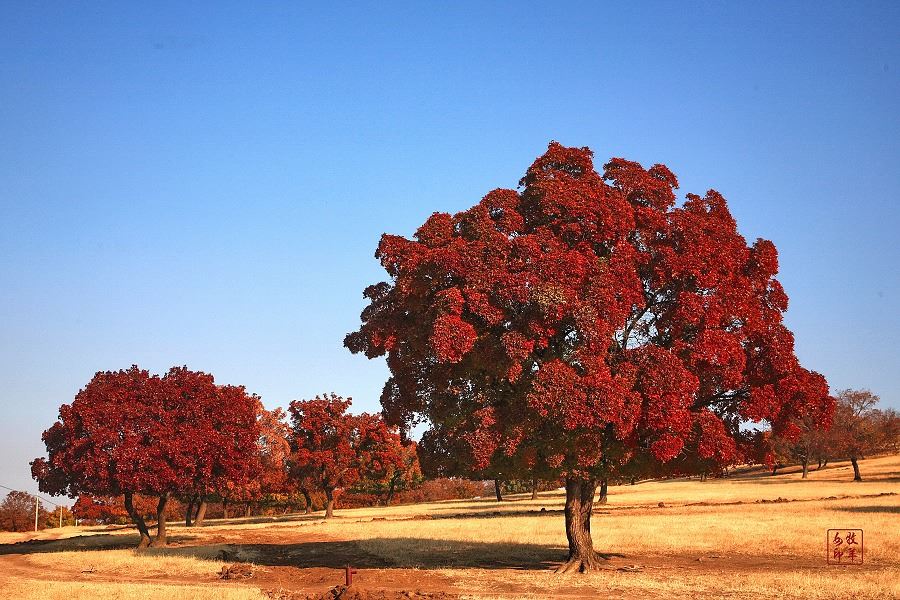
pixel 584 327
pixel 387 464
pixel 130 432
pixel 273 452
pixel 333 449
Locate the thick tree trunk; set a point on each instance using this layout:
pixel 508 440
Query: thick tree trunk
pixel 201 513
pixel 308 500
pixel 160 540
pixel 856 475
pixel 579 504
pixel 534 486
pixel 138 520
pixel 224 509
pixel 497 491
pixel 329 503
pixel 805 468
pixel 603 487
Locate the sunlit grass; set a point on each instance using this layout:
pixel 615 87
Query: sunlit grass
pixel 749 548
pixel 27 589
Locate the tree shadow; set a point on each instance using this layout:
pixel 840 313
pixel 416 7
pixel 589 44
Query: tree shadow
pixel 493 514
pixel 289 518
pixel 870 509
pixel 104 541
pixel 405 553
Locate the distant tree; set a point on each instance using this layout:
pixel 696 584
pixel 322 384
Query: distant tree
pixel 106 509
pixel 273 452
pixel 586 327
pixel 408 474
pixel 129 433
pixel 887 423
pixel 806 436
pixel 387 465
pixel 17 512
pixel 860 429
pixel 331 448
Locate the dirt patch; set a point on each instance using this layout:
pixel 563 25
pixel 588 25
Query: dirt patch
pixel 342 592
pixel 236 571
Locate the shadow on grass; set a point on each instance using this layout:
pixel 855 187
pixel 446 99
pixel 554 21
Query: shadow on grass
pixel 103 541
pixel 274 519
pixel 376 553
pixel 895 510
pixel 405 553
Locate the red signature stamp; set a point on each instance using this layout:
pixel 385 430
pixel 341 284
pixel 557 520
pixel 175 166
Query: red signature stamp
pixel 844 547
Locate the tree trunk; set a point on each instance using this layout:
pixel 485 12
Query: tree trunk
pixel 189 511
pixel 160 540
pixel 825 462
pixel 805 464
pixel 329 503
pixel 774 468
pixel 820 464
pixel 856 475
pixel 201 513
pixel 308 500
pixel 534 486
pixel 703 476
pixel 138 520
pixel 224 509
pixel 579 504
pixel 249 509
pixel 603 486
pixel 497 491
pixel 390 494
pixel 633 480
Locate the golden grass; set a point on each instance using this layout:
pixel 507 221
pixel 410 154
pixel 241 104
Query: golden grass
pixel 151 562
pixel 747 549
pixel 27 589
pixel 797 584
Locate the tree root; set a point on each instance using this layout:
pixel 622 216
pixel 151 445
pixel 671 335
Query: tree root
pixel 594 562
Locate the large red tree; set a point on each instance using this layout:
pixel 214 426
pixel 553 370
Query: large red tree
pixel 129 432
pixel 585 326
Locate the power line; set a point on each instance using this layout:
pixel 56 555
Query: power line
pixel 30 494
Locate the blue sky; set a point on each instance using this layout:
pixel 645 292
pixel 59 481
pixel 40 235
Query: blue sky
pixel 206 184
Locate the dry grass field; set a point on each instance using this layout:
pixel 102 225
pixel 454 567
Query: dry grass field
pixel 719 538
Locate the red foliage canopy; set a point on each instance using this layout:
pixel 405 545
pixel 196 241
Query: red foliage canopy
pixel 132 432
pixel 586 326
pixel 334 449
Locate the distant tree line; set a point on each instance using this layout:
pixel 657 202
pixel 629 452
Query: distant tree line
pixel 857 430
pixel 17 513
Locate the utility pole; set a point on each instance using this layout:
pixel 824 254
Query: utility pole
pixel 37 505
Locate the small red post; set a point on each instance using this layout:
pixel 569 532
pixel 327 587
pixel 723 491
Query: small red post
pixel 348 575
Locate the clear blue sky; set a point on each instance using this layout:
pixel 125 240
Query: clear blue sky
pixel 206 184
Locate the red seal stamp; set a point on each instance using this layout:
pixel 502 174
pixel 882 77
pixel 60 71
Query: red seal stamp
pixel 844 547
